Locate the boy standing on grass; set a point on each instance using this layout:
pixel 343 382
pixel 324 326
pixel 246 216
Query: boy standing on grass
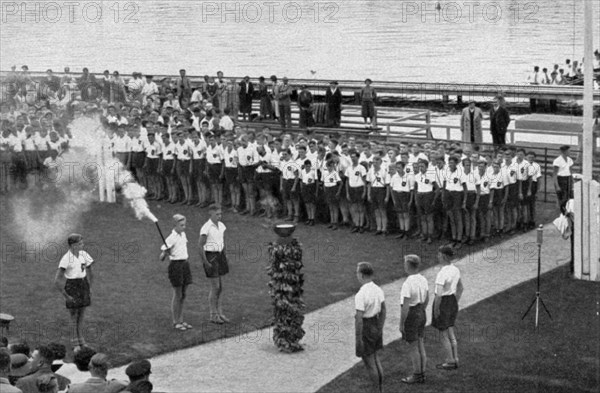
pixel 448 290
pixel 369 320
pixel 415 296
pixel 180 274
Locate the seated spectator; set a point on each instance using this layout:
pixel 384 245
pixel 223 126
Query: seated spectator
pixel 20 367
pixel 98 367
pixel 47 383
pixel 41 363
pixel 139 374
pixel 60 351
pixel 5 368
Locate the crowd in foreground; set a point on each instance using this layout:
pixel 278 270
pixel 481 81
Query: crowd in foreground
pixel 25 371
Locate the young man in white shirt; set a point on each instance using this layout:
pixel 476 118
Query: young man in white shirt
pixel 198 178
pixel 563 178
pixel 530 190
pixel 448 291
pixel 455 191
pixel 369 303
pixel 522 168
pixel 378 194
pixel 225 122
pixel 214 160
pixel 153 151
pixel 356 191
pixel 248 159
pixel 414 297
pixel 483 209
pixel 180 274
pixel 214 260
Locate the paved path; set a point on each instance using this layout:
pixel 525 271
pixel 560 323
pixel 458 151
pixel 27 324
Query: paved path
pixel 251 363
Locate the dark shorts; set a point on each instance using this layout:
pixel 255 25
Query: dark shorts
pixel 247 174
pixel 531 199
pixel 151 166
pixel 356 194
pixel 368 109
pixel 167 167
pixel 378 197
pixel 448 312
pixel 424 203
pixel 566 189
pixel 401 200
pixel 414 326
pixel 231 176
pixel 484 203
pixel 331 196
pixel 513 195
pixel 498 196
pixel 199 169
pixel 308 193
pixel 372 336
pixel 180 274
pixel 218 264
pixel 471 197
pixel 214 173
pixel 79 290
pixel 183 168
pixel 453 200
pixel 288 194
pixel 137 159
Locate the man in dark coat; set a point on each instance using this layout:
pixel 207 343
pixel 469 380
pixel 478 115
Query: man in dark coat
pixel 499 121
pixel 246 92
pixel 305 100
pixel 333 98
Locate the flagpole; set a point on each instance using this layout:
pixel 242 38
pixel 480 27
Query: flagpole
pixel 588 92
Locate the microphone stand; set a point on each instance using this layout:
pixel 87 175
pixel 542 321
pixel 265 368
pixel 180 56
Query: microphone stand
pixel 538 299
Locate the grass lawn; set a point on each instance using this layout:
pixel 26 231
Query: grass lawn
pixel 130 312
pixel 500 353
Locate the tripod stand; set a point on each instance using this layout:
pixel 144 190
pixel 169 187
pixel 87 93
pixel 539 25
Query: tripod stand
pixel 538 299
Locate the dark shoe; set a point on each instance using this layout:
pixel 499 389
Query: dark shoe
pixel 329 226
pixel 429 241
pixel 289 218
pixel 354 229
pixel 447 366
pixel 362 229
pixel 334 227
pixel 470 242
pixel 307 222
pixel 400 236
pixel 458 245
pixel 377 233
pixel 312 223
pixel 415 378
pixel 386 233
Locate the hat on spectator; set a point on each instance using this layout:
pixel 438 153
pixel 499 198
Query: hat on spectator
pixel 138 369
pixel 20 365
pixel 333 83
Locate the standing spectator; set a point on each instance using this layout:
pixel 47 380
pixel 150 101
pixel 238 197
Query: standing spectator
pixel 221 95
pixel 75 270
pixel 246 93
pixel 448 290
pixel 499 121
pixel 150 89
pixel 563 178
pixel 41 364
pixel 414 298
pixel 275 97
pixel 534 79
pixel 212 245
pixel 285 104
pixel 5 386
pixel 180 274
pixel 233 99
pixel 369 320
pixel 470 125
pixel 183 86
pixel 266 110
pixel 87 85
pixel 305 101
pixel 367 99
pixel 333 98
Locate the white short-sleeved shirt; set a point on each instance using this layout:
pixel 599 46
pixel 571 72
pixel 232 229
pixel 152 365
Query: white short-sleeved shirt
pixel 424 182
pixel 153 150
pixel 309 177
pixel 215 236
pixel 416 288
pixel 470 180
pixel 75 265
pixel 564 166
pixel 122 144
pixel 369 299
pixel 183 151
pixel 534 171
pixel 178 245
pixel 402 183
pixel 214 155
pixel 198 150
pixel 41 142
pixel 247 155
pixel 29 143
pixel 454 180
pixel 497 181
pixel 137 144
pixel 484 183
pixel 356 175
pixel 168 151
pixel 522 170
pixel 289 169
pixel 330 179
pixel 231 158
pixel 378 179
pixel 448 278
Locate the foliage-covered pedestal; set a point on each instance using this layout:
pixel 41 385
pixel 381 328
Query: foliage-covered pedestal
pixel 285 288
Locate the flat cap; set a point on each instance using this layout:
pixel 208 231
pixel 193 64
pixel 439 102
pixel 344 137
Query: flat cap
pixel 138 369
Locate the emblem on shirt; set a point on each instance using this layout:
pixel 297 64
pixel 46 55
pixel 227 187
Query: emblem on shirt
pixel 426 181
pixel 499 184
pixel 289 168
pixel 214 155
pixel 522 170
pixel 230 159
pixel 356 173
pixel 407 170
pixel 185 152
pixel 310 181
pixel 378 179
pixel 512 173
pixel 455 180
pixel 403 183
pixel 169 152
pixel 249 158
pixel 485 184
pixel 152 151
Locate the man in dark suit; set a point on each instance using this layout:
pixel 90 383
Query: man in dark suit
pixel 183 84
pixel 499 121
pixel 333 98
pixel 246 92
